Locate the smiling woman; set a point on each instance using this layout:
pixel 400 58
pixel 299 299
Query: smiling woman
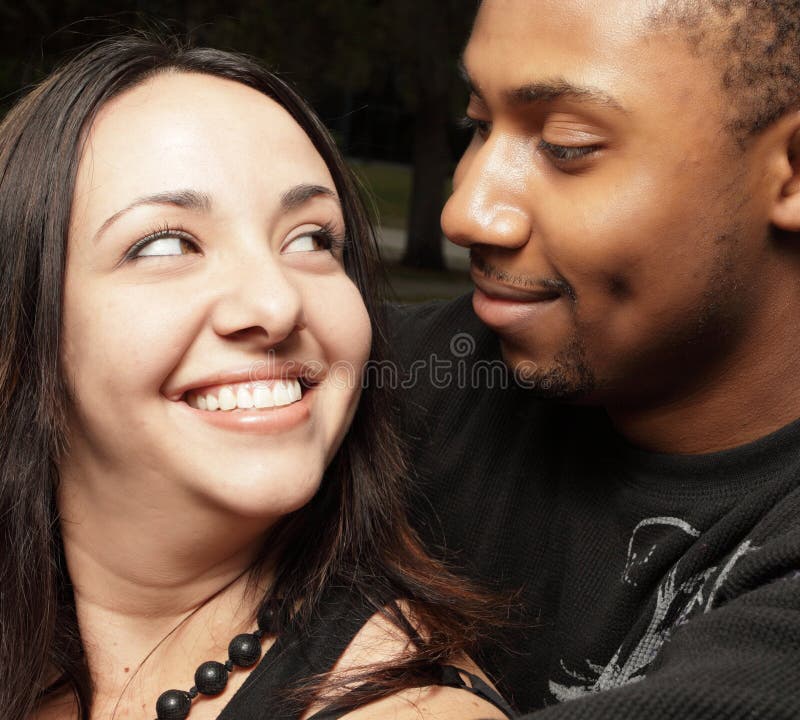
pixel 184 477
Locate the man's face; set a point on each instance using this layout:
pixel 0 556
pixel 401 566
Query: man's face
pixel 619 236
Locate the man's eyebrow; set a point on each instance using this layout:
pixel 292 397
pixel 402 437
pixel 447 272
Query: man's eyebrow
pixel 560 89
pixel 301 194
pixel 189 199
pixel 547 91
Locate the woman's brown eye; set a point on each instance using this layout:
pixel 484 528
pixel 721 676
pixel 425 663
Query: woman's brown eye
pixel 166 246
pixel 302 243
pixel 320 239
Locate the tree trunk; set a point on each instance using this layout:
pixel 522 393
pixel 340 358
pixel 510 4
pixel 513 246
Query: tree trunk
pixel 431 148
pixel 424 246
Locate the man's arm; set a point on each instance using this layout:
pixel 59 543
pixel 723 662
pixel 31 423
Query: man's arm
pixel 739 661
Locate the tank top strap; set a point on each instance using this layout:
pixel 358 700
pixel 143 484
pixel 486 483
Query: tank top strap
pixel 298 655
pixel 449 676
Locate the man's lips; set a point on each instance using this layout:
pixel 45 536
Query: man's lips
pixel 497 290
pixel 510 308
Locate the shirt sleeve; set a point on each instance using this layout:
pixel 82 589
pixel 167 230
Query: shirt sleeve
pixel 740 661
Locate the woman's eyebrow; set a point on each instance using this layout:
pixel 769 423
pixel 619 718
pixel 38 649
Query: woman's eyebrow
pixel 189 199
pixel 301 194
pixel 194 200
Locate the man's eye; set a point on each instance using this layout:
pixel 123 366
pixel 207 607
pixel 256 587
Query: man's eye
pixel 162 244
pixel 567 153
pixel 481 128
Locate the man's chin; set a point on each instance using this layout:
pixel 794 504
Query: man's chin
pixel 567 377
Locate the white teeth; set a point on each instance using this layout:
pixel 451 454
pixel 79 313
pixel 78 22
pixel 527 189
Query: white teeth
pixel 280 393
pixel 262 397
pixel 244 399
pixel 227 400
pixel 293 390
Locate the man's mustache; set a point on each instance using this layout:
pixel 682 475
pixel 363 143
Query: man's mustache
pixel 522 282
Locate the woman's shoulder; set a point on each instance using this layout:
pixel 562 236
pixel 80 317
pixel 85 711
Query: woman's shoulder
pixel 429 703
pixel 459 694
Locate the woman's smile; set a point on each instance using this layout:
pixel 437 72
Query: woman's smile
pixel 267 405
pixel 246 396
pixel 290 406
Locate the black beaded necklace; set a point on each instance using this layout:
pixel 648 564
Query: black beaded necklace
pixel 211 677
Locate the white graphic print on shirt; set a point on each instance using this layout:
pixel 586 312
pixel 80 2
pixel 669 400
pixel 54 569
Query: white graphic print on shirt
pixel 673 600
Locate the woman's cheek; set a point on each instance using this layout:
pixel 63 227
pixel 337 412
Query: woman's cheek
pixel 343 326
pixel 111 350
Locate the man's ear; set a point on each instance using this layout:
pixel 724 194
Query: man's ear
pixel 786 206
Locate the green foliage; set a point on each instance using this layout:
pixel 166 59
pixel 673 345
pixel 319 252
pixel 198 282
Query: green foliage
pixel 390 186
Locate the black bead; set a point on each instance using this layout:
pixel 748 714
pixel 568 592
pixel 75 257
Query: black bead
pixel 173 705
pixel 266 620
pixel 211 678
pixel 244 650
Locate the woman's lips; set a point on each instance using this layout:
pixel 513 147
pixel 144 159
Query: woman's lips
pixel 265 371
pixel 266 421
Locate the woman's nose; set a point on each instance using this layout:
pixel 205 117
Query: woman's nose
pixel 259 298
pixel 488 204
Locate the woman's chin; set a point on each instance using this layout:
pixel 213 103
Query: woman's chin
pixel 267 495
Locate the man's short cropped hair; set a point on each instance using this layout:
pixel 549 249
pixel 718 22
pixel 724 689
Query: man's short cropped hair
pixel 756 44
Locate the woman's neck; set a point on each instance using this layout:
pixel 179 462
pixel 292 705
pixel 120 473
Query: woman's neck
pixel 158 591
pixel 150 555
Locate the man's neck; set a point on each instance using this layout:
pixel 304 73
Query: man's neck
pixel 752 393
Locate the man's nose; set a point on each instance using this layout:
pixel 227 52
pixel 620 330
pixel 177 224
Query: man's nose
pixel 488 205
pixel 258 298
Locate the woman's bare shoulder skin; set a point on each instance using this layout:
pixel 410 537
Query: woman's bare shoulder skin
pixel 380 641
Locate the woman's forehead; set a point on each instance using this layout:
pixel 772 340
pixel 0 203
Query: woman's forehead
pixel 181 130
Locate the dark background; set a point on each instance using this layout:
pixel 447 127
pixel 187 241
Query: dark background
pixel 383 74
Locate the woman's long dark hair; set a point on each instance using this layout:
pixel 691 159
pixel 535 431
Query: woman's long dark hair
pixel 353 533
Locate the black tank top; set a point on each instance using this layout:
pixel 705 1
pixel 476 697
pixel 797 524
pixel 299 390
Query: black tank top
pixel 295 656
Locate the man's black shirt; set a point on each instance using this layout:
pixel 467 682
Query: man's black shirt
pixel 655 586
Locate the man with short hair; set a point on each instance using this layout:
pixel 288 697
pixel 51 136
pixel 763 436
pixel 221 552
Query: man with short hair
pixel 631 202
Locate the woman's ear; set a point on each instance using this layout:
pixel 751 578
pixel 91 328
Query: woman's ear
pixel 786 206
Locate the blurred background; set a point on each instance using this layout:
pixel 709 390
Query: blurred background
pixel 383 75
